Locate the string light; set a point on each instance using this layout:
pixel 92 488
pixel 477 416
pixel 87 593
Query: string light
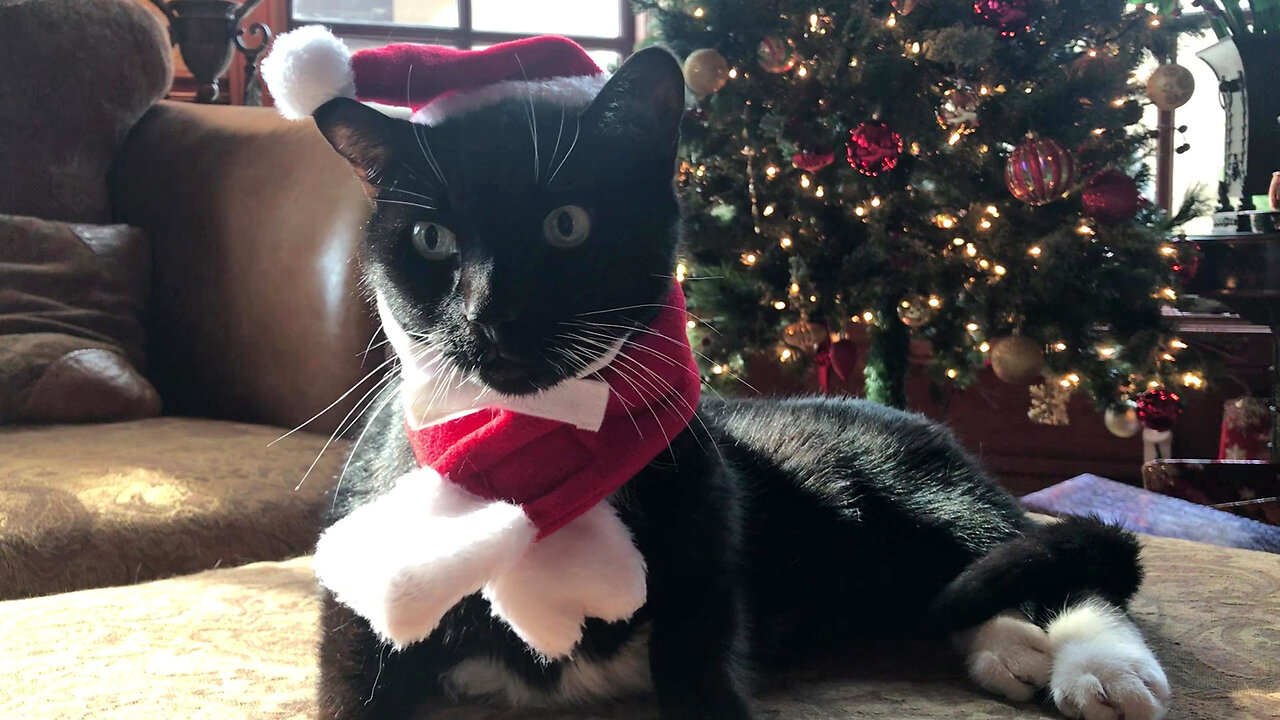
pixel 733 73
pixel 868 316
pixel 785 356
pixel 953 373
pixel 805 182
pixel 985 224
pixel 682 271
pixel 820 192
pixel 958 241
pixel 779 305
pixel 802 71
pixel 955 137
pixel 1000 270
pixel 1108 352
pixel 993 211
pixel 1084 229
pixel 1060 346
pixel 971 250
pixel 984 264
pixel 771 171
pixel 691 324
pixel 1034 251
pixel 813 298
pixel 985 347
pixel 971 327
pixel 1118 102
pixel 749 258
pixel 915 48
pixel 768 210
pixel 1153 384
pixel 1169 293
pixel 859 211
pixel 853 62
pixel 794 289
pixel 1193 380
pixel 785 242
pixel 1099 131
pixel 717 369
pixel 1179 345
pixel 1167 250
pixel 892 21
pixel 934 302
pixel 875 202
pixel 1167 357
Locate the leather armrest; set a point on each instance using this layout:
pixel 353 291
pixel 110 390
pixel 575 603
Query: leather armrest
pixel 255 312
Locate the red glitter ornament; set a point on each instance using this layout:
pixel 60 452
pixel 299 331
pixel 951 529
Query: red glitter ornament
pixel 1010 16
pixel 1159 409
pixel 1111 197
pixel 812 160
pixel 874 148
pixel 1040 171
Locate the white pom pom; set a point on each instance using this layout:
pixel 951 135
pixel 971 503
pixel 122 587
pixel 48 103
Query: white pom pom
pixel 307 68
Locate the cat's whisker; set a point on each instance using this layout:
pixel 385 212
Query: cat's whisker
pixel 648 305
pixel 342 397
pixel 639 366
pixel 360 438
pixel 343 425
pixel 559 136
pixel 533 121
pixel 402 202
pixel 423 145
pixel 410 193
pixel 654 333
pixel 578 365
pixel 572 145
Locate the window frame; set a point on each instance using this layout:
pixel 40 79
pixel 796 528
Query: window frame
pixel 465 36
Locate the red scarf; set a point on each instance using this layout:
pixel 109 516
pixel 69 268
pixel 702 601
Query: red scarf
pixel 554 470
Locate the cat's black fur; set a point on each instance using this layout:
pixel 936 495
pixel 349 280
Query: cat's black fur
pixel 772 530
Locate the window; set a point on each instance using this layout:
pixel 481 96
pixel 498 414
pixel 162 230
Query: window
pixel 606 28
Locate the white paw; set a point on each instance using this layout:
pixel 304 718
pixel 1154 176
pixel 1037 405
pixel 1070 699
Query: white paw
pixel 1009 656
pixel 1102 669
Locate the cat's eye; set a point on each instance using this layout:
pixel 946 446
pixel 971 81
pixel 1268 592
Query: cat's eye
pixel 566 226
pixel 433 241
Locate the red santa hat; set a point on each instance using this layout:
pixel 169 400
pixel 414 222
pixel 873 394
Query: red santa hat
pixel 309 66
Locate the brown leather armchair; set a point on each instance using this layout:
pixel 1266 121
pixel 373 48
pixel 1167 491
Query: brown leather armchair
pixel 255 313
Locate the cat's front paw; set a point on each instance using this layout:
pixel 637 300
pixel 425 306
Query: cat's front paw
pixel 1099 679
pixel 1009 656
pixel 1102 668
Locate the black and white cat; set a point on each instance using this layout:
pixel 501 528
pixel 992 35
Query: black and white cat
pixel 772 530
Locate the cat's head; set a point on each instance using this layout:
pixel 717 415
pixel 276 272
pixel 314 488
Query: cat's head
pixel 523 239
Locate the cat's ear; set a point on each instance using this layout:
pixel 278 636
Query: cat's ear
pixel 643 99
pixel 364 136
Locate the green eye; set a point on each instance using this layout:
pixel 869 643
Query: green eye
pixel 566 226
pixel 433 241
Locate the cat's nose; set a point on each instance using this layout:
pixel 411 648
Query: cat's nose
pixel 493 332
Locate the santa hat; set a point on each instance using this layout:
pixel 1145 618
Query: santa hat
pixel 309 66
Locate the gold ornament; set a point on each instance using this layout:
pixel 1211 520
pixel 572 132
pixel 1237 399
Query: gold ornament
pixel 705 71
pixel 804 335
pixel 1170 86
pixel 904 7
pixel 1049 404
pixel 917 311
pixel 1016 359
pixel 1122 420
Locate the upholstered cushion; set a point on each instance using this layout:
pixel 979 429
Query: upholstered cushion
pixel 241 644
pixel 71 303
pixel 86 506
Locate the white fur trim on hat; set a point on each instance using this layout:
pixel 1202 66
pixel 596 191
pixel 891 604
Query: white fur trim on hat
pixel 574 91
pixel 307 68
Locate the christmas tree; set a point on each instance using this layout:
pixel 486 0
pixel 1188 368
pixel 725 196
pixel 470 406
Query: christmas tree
pixel 963 173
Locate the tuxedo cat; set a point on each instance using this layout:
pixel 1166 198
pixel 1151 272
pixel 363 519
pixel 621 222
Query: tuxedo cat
pixel 772 530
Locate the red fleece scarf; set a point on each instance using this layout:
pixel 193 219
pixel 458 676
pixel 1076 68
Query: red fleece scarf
pixel 554 470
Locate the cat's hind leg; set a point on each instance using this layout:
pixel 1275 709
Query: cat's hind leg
pixel 1102 667
pixel 1008 655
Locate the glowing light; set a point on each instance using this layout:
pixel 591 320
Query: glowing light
pixel 953 373
pixel 1118 102
pixel 1108 352
pixel 699 12
pixel 934 302
pixel 853 62
pixel 691 324
pixel 1099 131
pixel 1155 22
pixel 868 316
pixel 1178 345
pixel 1153 384
pixel 958 241
pixel 1193 380
pixel 768 210
pixel 859 211
pixel 682 271
pixel 802 71
pixel 971 327
pixel 805 182
pixel 984 90
pixel 733 73
pixel 985 224
pixel 771 171
pixel 794 289
pixel 1084 230
pixel 999 270
pixel 820 192
pixel 813 298
pixel 875 202
pixel 1060 346
pixel 779 305
pixel 1169 293
pixel 984 264
pixel 955 137
pixel 1167 250
pixel 984 148
pixel 892 21
pixel 993 211
pixel 1027 90
pixel 945 222
pixel 1166 357
pixel 785 356
pixel 1064 383
pixel 785 242
pixel 1093 53
pixel 985 347
pixel 971 250
pixel 1034 251
pixel 915 48
pixel 1074 378
pixel 717 369
pixel 749 258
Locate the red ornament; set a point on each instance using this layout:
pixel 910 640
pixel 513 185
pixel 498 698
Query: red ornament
pixel 1011 16
pixel 1159 409
pixel 874 148
pixel 812 160
pixel 1188 263
pixel 840 356
pixel 1111 197
pixel 1040 171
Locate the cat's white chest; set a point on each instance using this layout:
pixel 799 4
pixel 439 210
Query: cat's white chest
pixel 582 681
